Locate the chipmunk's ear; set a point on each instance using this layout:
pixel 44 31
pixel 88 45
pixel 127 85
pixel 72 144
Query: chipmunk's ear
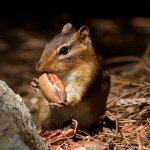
pixel 84 32
pixel 67 27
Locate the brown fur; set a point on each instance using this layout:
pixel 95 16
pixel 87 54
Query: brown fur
pixel 83 74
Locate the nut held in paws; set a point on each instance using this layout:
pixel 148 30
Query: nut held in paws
pixel 52 88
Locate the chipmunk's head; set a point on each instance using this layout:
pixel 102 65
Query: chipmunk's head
pixel 66 50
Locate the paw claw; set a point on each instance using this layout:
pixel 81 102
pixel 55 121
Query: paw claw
pixel 35 84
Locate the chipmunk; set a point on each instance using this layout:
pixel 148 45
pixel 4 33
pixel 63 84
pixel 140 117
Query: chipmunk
pixel 71 56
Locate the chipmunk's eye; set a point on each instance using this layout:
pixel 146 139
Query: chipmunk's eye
pixel 63 50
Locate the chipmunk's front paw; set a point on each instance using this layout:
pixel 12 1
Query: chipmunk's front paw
pixel 59 105
pixel 35 84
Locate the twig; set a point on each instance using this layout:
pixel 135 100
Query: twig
pixel 125 67
pixel 139 141
pixel 126 140
pixel 122 59
pixel 148 121
pixel 83 136
pixel 147 51
pixel 117 127
pixel 114 99
pixel 124 81
pixel 146 65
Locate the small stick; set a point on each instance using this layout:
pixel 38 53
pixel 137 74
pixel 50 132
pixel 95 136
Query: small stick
pixel 139 141
pixel 117 127
pixel 126 140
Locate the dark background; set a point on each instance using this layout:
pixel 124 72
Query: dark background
pixel 44 10
pixel 117 28
pixel 18 12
